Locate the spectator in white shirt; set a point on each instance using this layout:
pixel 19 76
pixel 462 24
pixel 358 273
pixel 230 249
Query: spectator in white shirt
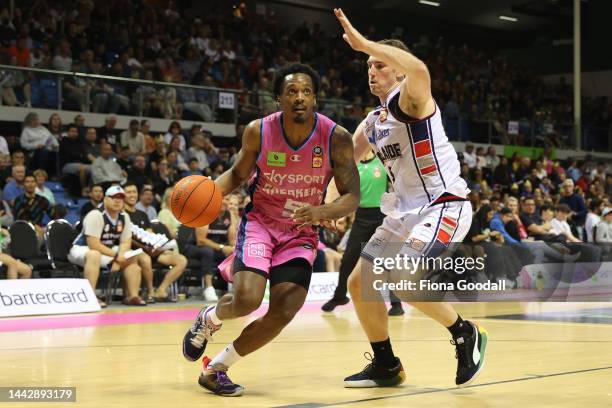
pixel 593 218
pixel 559 223
pixel 469 157
pixel 603 234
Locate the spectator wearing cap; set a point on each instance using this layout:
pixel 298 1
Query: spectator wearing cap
pixel 105 169
pixel 32 207
pixel 133 138
pixel 603 232
pixel 574 201
pixel 105 238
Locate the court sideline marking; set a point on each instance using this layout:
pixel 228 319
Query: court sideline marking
pixel 436 390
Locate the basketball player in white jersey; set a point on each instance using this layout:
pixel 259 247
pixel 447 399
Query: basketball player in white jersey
pixel 427 210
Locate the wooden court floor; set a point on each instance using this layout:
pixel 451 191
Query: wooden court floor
pixel 563 359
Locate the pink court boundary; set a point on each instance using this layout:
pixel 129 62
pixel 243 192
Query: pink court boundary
pixel 118 318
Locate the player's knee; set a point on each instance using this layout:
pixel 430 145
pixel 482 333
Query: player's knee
pixel 283 315
pixel 244 305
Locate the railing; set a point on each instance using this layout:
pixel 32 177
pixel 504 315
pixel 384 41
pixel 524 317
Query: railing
pixel 63 90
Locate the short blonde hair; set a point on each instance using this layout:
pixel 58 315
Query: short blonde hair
pixel 41 172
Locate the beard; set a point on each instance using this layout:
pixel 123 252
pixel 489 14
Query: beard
pixel 300 118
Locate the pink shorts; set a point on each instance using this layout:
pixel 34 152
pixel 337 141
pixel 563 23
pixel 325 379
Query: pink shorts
pixel 263 243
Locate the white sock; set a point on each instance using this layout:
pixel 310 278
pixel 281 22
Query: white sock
pixel 213 316
pixel 227 357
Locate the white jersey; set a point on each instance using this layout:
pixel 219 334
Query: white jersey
pixel 421 162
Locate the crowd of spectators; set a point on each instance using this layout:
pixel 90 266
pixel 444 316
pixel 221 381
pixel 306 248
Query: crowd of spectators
pixel 236 48
pixel 532 211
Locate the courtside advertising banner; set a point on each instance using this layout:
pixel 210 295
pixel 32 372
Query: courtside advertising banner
pixel 23 297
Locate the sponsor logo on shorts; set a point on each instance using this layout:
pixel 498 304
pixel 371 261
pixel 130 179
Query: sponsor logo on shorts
pixel 257 250
pixel 276 159
pixel 415 244
pixel 308 246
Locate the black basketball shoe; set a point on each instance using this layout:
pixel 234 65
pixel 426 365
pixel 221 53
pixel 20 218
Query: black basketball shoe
pixel 377 375
pixel 470 355
pixel 196 338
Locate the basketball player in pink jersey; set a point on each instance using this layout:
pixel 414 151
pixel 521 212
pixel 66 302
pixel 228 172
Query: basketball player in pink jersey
pixel 427 210
pixel 289 158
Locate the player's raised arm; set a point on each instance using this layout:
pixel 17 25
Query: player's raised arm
pixel 245 161
pixel 415 95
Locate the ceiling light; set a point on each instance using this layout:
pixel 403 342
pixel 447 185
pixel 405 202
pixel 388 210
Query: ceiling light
pixel 508 18
pixel 430 3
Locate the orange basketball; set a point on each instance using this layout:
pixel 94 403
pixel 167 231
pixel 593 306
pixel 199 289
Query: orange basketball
pixel 196 201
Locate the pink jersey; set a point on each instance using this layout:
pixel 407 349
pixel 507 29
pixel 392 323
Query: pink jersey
pixel 287 177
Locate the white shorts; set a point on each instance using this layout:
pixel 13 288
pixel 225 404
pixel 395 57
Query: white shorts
pixel 428 233
pixel 77 256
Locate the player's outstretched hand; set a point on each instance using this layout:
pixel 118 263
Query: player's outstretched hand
pixel 306 215
pixel 353 37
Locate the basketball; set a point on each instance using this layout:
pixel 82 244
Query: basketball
pixel 196 201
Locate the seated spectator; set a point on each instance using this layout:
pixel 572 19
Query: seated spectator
pixel 123 158
pixel 196 151
pixel 175 261
pixel 469 157
pixel 175 130
pixel 213 243
pixel 165 178
pixel 73 156
pixel 32 207
pixel 138 172
pixel 14 187
pixel 536 227
pixel 575 202
pixel 41 189
pixel 39 143
pixel 559 223
pixel 91 147
pixel 15 269
pixel 133 139
pixel 145 204
pixel 603 232
pixel 193 168
pixel 108 133
pixel 593 218
pixel 105 169
pixel 165 216
pixel 499 222
pixel 150 143
pixel 96 195
pixel 105 238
